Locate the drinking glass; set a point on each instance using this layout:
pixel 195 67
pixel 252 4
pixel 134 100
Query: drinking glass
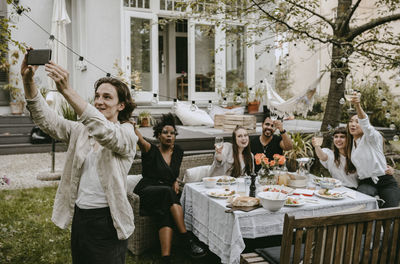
pixel 348 94
pixel 219 141
pixel 274 116
pixel 319 138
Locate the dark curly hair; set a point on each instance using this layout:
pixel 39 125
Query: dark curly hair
pixel 124 96
pixel 166 120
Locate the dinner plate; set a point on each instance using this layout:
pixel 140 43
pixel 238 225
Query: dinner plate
pixel 222 194
pixel 337 182
pixel 300 202
pixel 225 180
pixel 331 196
pixel 276 188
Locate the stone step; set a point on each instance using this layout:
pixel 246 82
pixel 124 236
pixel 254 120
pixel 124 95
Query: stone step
pixel 10 119
pixel 16 128
pixel 30 148
pixel 14 139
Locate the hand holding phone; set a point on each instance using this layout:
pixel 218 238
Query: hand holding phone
pixel 38 56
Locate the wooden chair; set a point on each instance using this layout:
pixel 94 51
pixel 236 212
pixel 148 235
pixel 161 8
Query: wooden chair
pixel 362 237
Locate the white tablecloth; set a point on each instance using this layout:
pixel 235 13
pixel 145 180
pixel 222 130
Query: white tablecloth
pixel 224 232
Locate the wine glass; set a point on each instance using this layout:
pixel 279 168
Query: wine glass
pixel 319 138
pixel 348 94
pixel 274 116
pixel 219 141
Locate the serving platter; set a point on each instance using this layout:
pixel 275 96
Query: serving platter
pixel 277 188
pixel 222 194
pixel 294 202
pixel 225 180
pixel 337 182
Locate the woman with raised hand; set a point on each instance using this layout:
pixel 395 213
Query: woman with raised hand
pixel 337 160
pixel 234 159
pixel 101 149
pixel 368 158
pixel 158 189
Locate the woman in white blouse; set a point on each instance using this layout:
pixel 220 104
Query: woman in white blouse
pixel 101 148
pixel 234 159
pixel 337 161
pixel 368 158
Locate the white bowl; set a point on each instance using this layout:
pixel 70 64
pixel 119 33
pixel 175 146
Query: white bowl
pixel 272 201
pixel 210 182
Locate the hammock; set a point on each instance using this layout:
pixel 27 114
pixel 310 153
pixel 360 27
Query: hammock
pixel 300 104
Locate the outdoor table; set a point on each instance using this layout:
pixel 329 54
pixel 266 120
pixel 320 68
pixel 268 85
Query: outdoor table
pixel 224 232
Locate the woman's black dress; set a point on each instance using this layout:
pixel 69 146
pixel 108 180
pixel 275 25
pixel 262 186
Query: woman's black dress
pixel 155 188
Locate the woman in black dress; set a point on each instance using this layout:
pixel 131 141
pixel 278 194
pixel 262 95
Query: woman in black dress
pixel 159 189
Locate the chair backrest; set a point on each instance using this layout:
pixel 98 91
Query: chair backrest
pixel 362 237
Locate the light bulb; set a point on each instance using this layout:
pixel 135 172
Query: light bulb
pixel 224 102
pixel 154 101
pixel 342 101
pixel 238 99
pixel 209 106
pixel 339 80
pixel 387 115
pixel 380 91
pixel 81 64
pixel 392 126
pixel 193 106
pixel 174 105
pixel 108 74
pixel 384 103
pixel 396 138
pixel 133 91
pixel 343 60
pixel 50 42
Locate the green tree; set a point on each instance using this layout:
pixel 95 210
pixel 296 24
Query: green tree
pixel 351 37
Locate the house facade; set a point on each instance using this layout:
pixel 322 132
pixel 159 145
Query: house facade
pixel 160 51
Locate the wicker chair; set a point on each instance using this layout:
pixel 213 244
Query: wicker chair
pixel 145 235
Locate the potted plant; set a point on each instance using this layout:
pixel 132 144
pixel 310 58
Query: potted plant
pixel 302 148
pixel 145 119
pixel 254 97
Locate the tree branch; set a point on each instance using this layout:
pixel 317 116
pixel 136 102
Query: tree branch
pixel 353 9
pixel 290 27
pixel 377 41
pixel 312 12
pixel 374 23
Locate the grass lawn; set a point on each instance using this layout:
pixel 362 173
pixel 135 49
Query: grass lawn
pixel 27 234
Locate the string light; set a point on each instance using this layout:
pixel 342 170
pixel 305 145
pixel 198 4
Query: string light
pixel 384 102
pixel 154 100
pixel 193 106
pixel 342 101
pixel 339 80
pixel 238 99
pixel 209 106
pixel 108 74
pixel 224 102
pixel 174 105
pixel 387 115
pixel 80 64
pixel 396 138
pixel 380 91
pixel 392 126
pixel 50 42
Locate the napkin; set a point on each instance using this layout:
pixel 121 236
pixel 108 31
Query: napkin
pixel 305 192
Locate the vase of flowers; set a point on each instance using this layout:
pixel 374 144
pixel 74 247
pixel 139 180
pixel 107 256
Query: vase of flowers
pixel 267 175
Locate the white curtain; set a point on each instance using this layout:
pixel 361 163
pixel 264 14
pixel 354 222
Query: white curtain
pixel 59 21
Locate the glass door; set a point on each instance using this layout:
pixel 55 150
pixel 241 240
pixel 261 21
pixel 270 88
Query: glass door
pixel 205 64
pixel 140 53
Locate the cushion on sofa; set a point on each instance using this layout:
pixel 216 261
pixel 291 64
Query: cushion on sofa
pixel 196 174
pixel 132 180
pixel 192 118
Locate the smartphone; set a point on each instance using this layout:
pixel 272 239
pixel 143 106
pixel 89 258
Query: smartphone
pixel 39 56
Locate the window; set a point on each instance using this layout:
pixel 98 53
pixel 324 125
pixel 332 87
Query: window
pixel 137 3
pixel 172 5
pixel 235 59
pixel 141 50
pixel 205 58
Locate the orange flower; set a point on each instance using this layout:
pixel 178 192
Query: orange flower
pixel 276 156
pixel 259 156
pixel 272 163
pixel 282 160
pixel 265 160
pixel 258 160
